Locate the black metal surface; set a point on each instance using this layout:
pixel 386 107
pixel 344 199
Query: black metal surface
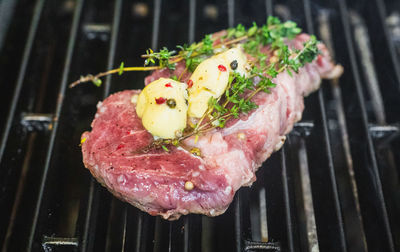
pixel 343 153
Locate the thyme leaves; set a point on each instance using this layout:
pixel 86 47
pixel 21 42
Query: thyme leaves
pixel 237 98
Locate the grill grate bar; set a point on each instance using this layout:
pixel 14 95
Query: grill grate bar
pixel 384 135
pixel 67 64
pixel 238 222
pixel 231 13
pixel 50 242
pixel 139 229
pixel 288 211
pixel 125 222
pixel 389 41
pixel 363 45
pixel 89 210
pixel 60 241
pixel 7 9
pixel 268 6
pixel 156 24
pixel 37 121
pixel 157 235
pixel 207 233
pixel 18 195
pixel 351 51
pixel 186 227
pixel 94 188
pixel 170 237
pixel 115 212
pixel 192 20
pixel 263 215
pixel 307 198
pixel 113 44
pixel 310 28
pixel 37 12
pixel 254 245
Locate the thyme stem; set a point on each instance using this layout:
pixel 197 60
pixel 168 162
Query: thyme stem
pixel 172 60
pixel 90 77
pixel 183 72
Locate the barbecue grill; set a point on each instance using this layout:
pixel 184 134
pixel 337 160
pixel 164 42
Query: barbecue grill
pixel 334 186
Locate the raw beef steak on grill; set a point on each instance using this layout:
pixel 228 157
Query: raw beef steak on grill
pixel 155 181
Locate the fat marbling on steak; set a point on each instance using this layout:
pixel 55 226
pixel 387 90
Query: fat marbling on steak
pixel 154 181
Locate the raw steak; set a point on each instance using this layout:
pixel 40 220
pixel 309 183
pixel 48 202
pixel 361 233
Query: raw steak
pixel 154 181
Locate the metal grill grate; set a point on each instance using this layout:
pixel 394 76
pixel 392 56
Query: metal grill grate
pixel 334 186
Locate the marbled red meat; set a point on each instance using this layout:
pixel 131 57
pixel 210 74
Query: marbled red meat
pixel 155 181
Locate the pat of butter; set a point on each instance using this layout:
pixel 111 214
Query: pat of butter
pixel 237 54
pixel 211 77
pixel 162 105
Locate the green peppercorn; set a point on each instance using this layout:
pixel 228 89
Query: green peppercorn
pixel 171 103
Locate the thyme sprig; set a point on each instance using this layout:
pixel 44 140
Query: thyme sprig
pixel 241 89
pixel 95 79
pixel 238 95
pixel 273 32
pixel 162 57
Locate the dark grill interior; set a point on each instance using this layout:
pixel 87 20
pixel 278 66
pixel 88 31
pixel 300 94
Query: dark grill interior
pixel 334 186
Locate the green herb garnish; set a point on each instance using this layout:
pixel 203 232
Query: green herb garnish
pixel 240 89
pixel 121 68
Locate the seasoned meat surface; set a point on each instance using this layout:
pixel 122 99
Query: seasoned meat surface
pixel 154 181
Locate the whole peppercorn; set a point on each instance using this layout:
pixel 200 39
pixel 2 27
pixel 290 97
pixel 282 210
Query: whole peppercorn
pixel 234 64
pixel 171 103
